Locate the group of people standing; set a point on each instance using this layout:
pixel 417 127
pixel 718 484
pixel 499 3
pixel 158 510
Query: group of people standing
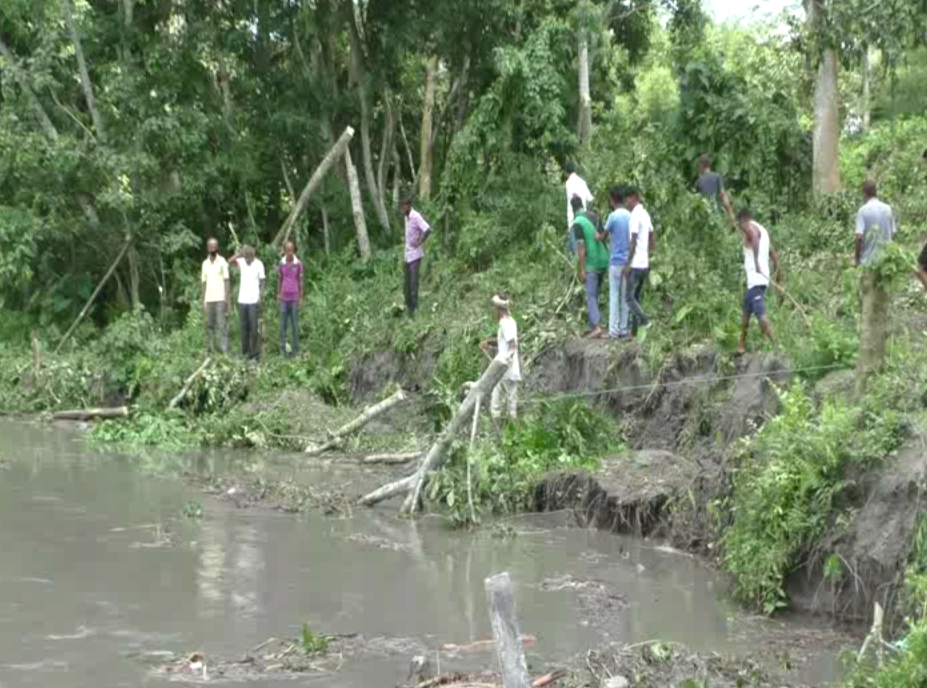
pixel 217 299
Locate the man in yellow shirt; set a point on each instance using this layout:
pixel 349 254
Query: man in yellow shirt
pixel 216 298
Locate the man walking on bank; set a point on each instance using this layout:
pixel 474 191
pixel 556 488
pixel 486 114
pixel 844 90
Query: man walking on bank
pixel 290 296
pixel 216 298
pixel 618 229
pixel 593 263
pixel 576 187
pixel 757 252
pixel 506 341
pixel 417 231
pixel 250 296
pixel 710 185
pixel 643 243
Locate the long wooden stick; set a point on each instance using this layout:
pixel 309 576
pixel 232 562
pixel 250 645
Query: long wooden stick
pixel 506 632
pixel 392 459
pixel 96 292
pixel 341 145
pixel 188 384
pixel 473 428
pixel 377 410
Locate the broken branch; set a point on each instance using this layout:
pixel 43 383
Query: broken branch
pixel 188 385
pixel 377 410
pixel 92 414
pixel 392 459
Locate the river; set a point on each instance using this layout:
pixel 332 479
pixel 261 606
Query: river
pixel 99 568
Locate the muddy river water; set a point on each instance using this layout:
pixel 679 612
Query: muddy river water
pixel 92 587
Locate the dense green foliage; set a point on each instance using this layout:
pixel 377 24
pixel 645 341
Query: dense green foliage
pixel 788 487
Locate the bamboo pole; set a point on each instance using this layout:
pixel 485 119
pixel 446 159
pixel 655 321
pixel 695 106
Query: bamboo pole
pixel 368 415
pixel 96 292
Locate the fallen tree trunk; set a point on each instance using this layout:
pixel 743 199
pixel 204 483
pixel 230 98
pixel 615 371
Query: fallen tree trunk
pixel 96 292
pixel 392 459
pixel 388 491
pixel 188 385
pixel 377 410
pixel 92 414
pixel 337 151
pixel 436 455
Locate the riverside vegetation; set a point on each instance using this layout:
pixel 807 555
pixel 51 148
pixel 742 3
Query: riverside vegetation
pixel 179 144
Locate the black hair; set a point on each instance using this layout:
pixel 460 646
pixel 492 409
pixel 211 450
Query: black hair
pixel 631 192
pixel 704 161
pixel 576 203
pixel 870 189
pixel 744 215
pixel 616 193
pixel 569 168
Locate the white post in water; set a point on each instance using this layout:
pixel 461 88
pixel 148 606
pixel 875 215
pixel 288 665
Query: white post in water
pixel 506 632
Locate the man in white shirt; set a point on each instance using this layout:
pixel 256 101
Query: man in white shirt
pixel 575 186
pixel 506 341
pixel 643 242
pixel 757 252
pixel 250 296
pixel 216 298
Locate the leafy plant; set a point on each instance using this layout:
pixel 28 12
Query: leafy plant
pixel 313 643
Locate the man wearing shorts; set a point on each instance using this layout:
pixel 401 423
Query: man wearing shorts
pixel 757 252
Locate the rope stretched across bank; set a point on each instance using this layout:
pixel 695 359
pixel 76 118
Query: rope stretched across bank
pixel 538 399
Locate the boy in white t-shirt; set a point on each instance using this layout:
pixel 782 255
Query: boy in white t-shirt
pixel 505 341
pixel 643 242
pixel 250 294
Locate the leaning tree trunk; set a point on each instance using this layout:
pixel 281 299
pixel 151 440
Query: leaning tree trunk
pixel 85 82
pixel 357 205
pixel 427 141
pixel 825 174
pixel 584 126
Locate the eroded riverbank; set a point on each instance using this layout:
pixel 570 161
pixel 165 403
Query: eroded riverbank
pixel 105 562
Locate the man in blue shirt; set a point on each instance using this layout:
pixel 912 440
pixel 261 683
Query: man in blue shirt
pixel 618 230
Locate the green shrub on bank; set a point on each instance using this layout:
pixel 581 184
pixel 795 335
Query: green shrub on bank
pixel 505 470
pixel 788 485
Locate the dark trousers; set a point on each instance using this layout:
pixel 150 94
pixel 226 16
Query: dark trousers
pixel 411 286
pixel 248 316
pixel 636 281
pixel 289 318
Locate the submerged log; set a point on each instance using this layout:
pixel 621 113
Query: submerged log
pixel 392 459
pixel 338 436
pixel 93 414
pixel 506 632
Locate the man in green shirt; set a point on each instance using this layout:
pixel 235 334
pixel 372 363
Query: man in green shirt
pixel 593 262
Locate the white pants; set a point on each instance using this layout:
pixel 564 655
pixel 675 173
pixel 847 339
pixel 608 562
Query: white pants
pixel 510 387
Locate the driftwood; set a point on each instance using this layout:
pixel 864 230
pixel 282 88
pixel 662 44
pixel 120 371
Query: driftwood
pixel 414 483
pixel 188 385
pixel 436 455
pixel 93 414
pixel 392 459
pixel 506 632
pixel 341 145
pixel 338 436
pixel 96 292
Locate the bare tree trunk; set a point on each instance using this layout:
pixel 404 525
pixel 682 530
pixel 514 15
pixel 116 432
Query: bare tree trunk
pixel 397 176
pixel 341 146
pixel 188 383
pixel 359 75
pixel 92 414
pixel 867 90
pixel 584 126
pixel 357 205
pixel 826 154
pixel 386 147
pixel 85 82
pixel 326 232
pixel 426 156
pixel 506 631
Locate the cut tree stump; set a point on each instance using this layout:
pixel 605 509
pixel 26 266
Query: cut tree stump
pixel 506 632
pixel 93 414
pixel 339 435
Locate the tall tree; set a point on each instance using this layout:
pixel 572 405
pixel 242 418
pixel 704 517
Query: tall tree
pixel 826 139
